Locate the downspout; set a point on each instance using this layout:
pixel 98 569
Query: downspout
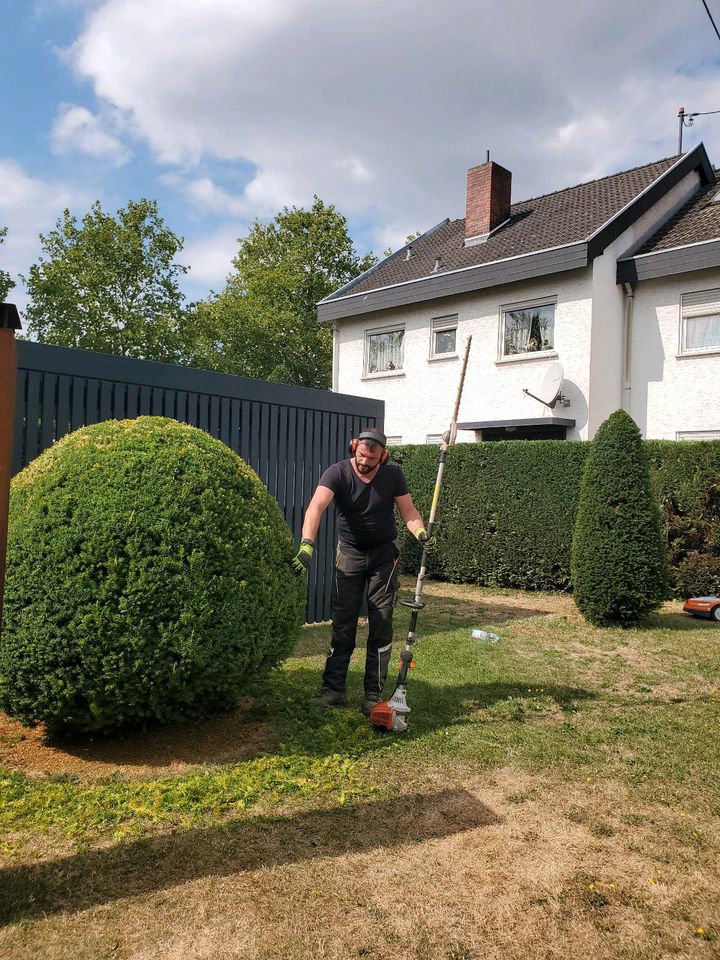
pixel 627 358
pixel 335 359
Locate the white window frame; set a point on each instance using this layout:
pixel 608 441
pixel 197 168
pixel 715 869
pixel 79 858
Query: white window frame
pixel 441 325
pixel 697 434
pixel 506 308
pixel 434 438
pixel 698 303
pixel 374 332
pixel 394 441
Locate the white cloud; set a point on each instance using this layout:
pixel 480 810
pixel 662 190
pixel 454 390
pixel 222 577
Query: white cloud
pixel 210 257
pixel 380 108
pixel 393 236
pixel 205 195
pixel 30 206
pixel 77 130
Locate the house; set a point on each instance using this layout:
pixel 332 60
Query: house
pixel 618 280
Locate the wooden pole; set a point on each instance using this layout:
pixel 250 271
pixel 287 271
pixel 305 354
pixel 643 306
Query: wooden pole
pixel 9 323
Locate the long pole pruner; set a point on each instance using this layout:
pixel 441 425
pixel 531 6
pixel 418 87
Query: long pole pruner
pixel 392 714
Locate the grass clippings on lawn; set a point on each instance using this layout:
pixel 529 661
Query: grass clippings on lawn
pixel 557 795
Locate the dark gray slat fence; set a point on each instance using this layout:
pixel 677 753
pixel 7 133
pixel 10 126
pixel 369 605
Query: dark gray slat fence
pixel 288 435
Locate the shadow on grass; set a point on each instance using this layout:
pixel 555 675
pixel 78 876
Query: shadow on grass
pixel 441 613
pixel 681 621
pixel 281 720
pixel 90 878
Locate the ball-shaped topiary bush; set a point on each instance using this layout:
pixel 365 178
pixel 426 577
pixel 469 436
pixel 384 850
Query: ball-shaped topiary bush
pixel 148 577
pixel 618 563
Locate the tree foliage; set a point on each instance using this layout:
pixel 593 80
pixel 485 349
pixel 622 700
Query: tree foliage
pixel 109 283
pixel 618 564
pixel 264 323
pixel 6 282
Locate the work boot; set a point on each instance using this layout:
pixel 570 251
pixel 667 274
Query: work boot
pixel 371 701
pixel 329 698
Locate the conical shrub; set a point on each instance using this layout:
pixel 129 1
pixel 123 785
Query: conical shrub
pixel 618 564
pixel 148 578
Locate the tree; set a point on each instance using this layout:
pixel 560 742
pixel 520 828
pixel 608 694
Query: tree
pixel 264 323
pixel 618 564
pixel 109 284
pixel 6 283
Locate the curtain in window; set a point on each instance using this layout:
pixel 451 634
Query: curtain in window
pixel 385 351
pixel 702 332
pixel 529 330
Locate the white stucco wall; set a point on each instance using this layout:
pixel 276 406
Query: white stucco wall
pixel 420 400
pixel 671 393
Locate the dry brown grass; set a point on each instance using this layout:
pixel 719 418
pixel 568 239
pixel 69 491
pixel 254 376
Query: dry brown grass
pixel 508 866
pixel 140 753
pixel 459 860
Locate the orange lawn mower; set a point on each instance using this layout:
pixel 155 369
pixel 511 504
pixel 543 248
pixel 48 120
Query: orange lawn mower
pixel 707 607
pixel 393 714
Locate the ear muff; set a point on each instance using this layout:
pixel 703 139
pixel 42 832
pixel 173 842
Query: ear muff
pixel 353 445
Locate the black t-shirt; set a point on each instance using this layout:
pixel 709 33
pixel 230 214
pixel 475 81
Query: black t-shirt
pixel 365 511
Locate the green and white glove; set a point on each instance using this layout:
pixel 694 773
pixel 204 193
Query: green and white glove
pixel 303 558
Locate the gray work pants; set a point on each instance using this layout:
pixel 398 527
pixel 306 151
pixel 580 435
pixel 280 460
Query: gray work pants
pixel 357 572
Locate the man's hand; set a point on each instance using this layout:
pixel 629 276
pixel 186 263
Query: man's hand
pixel 421 535
pixel 303 558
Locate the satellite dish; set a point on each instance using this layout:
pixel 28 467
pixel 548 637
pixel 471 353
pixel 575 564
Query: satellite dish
pixel 550 388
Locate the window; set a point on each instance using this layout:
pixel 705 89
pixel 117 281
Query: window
pixel 528 328
pixel 435 438
pixel 700 322
pixel 443 342
pixel 384 350
pixel 697 435
pixel 394 441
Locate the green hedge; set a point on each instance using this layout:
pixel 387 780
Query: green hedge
pixel 507 510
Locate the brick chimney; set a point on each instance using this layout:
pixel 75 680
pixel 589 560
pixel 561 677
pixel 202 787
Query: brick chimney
pixel 488 199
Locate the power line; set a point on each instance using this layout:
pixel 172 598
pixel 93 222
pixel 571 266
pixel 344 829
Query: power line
pixel 711 19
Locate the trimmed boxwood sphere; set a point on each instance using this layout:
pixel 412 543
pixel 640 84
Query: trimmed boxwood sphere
pixel 148 576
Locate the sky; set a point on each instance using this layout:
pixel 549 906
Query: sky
pixel 225 111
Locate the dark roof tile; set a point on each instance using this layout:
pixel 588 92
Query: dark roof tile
pixel 552 220
pixel 698 220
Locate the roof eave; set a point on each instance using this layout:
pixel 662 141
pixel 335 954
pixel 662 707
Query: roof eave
pixel 453 282
pixel 703 255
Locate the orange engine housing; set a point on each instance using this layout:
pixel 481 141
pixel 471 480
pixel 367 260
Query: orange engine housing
pixel 383 716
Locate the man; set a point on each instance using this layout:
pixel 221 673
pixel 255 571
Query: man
pixel 365 488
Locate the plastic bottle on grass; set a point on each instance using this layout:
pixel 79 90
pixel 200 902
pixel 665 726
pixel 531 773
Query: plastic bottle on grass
pixel 485 635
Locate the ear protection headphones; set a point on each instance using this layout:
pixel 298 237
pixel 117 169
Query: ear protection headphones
pixel 370 435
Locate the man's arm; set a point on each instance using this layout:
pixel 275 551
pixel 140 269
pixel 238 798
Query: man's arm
pixel 410 515
pixel 321 500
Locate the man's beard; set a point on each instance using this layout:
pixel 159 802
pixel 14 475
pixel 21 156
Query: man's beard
pixel 363 467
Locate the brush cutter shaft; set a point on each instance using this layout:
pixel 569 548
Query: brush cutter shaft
pixel 447 442
pixel 392 714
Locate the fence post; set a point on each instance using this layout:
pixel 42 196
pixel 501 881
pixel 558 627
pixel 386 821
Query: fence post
pixel 9 323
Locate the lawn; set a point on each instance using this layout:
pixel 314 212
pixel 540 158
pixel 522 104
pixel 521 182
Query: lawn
pixel 557 795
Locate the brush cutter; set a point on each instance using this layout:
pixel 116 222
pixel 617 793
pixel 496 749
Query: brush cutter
pixel 393 714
